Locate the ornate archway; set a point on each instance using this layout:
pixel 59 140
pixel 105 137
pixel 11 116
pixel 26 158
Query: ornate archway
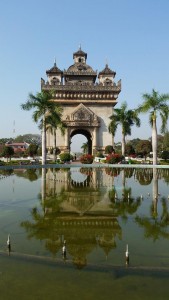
pixel 87 99
pixel 83 121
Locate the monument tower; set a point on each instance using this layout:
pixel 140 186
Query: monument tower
pixel 87 99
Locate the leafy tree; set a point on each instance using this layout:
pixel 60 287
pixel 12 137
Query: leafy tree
pixel 8 152
pixel 155 103
pixel 28 138
pixel 43 106
pixel 134 143
pixel 32 150
pixel 109 149
pixel 165 155
pixel 143 147
pixel 126 118
pixel 5 140
pixel 129 149
pixel 19 139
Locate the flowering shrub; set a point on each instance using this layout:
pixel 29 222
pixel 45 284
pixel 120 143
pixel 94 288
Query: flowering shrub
pixel 114 158
pixel 86 159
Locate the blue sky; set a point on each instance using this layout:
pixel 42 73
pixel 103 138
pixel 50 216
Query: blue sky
pixel 131 34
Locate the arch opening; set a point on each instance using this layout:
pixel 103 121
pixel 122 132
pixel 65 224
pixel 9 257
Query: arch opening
pixel 81 140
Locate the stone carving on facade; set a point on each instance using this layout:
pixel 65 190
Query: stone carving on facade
pixel 55 81
pixel 82 116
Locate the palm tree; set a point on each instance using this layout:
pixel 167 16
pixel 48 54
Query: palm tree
pixel 43 106
pixel 126 118
pixel 85 147
pixel 155 103
pixel 53 122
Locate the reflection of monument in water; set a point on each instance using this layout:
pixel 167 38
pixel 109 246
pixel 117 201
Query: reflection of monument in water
pixel 84 216
pixel 85 190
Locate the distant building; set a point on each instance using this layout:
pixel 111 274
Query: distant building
pixel 18 147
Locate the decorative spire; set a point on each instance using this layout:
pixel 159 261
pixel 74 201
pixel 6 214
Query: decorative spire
pixel 80 47
pixel 55 62
pixel 106 62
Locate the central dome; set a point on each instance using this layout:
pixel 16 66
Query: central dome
pixel 80 67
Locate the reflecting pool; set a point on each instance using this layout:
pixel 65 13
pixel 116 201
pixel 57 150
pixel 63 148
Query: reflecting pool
pixel 96 213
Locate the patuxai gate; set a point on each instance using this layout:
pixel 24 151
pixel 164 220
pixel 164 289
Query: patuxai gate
pixel 87 98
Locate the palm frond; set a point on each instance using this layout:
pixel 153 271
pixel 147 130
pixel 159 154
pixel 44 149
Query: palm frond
pixel 112 127
pixel 164 119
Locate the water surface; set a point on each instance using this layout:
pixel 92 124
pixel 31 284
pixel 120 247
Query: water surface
pixel 96 212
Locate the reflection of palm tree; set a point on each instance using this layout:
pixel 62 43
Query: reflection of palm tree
pixel 144 176
pixel 166 176
pixel 155 227
pixel 165 213
pixel 128 172
pixel 155 192
pixel 114 172
pixel 125 206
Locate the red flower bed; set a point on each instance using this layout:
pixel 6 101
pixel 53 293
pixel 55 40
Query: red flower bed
pixel 86 159
pixel 114 158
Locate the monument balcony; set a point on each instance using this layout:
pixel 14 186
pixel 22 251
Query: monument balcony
pixel 82 86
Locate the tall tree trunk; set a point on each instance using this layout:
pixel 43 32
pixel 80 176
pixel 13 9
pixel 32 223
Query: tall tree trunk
pixel 123 144
pixel 154 141
pixel 113 141
pixel 44 142
pixel 54 151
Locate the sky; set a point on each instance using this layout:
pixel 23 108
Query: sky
pixel 131 35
